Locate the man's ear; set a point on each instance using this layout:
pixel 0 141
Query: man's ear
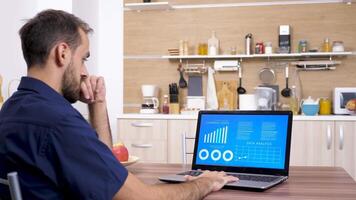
pixel 63 54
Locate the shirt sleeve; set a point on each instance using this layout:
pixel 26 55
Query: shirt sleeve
pixel 88 169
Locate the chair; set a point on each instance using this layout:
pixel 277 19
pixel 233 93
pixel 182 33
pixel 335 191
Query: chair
pixel 13 182
pixel 185 138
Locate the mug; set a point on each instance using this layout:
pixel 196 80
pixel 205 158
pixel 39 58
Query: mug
pixel 247 102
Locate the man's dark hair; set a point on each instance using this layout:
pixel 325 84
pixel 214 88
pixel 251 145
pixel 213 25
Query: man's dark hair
pixel 41 33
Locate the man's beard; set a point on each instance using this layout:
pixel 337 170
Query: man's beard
pixel 70 85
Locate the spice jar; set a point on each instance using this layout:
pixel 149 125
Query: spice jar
pixel 338 46
pixel 268 48
pixel 303 46
pixel 326 45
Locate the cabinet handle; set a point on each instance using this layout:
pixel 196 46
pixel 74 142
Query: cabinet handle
pixel 341 137
pixel 141 124
pixel 144 146
pixel 328 138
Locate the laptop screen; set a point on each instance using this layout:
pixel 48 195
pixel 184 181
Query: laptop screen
pixel 242 140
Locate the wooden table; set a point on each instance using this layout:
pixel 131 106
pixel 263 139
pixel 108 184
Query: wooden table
pixel 324 183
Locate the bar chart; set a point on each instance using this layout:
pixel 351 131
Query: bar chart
pixel 218 136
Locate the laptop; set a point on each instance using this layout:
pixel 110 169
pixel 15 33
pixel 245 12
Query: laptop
pixel 251 145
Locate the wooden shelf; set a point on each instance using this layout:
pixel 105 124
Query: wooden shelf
pixel 290 55
pixel 148 6
pixel 167 6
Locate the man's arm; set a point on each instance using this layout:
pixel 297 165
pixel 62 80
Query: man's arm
pixel 99 120
pixel 195 189
pixel 93 93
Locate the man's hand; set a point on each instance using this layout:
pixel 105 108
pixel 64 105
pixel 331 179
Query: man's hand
pixel 92 90
pixel 218 179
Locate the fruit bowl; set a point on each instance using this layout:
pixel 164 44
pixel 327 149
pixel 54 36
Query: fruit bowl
pixel 131 160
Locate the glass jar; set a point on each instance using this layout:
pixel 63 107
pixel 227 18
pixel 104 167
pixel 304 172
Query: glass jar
pixel 268 48
pixel 326 45
pixel 325 106
pixel 303 46
pixel 338 46
pixel 203 49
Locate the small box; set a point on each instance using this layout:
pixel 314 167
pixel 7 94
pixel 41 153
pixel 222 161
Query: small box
pixel 284 39
pixel 196 102
pixel 226 65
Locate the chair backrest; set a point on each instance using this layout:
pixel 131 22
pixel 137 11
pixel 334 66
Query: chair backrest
pixel 13 182
pixel 186 141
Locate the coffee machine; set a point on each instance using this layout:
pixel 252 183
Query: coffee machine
pixel 150 101
pixel 266 98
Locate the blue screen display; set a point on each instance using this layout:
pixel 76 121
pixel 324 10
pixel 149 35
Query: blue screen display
pixel 257 141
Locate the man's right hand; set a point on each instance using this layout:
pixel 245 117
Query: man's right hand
pixel 217 179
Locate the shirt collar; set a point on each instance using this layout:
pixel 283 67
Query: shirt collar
pixel 40 87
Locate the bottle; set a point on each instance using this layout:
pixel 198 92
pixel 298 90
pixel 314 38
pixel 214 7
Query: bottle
pixel 165 106
pixel 325 106
pixel 213 45
pixel 294 101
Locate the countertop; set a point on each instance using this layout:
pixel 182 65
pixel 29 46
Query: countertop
pixel 195 116
pixel 307 183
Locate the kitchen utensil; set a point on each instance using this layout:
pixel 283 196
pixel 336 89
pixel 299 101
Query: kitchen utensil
pixel 267 75
pixel 266 98
pixel 240 89
pixel 286 91
pixel 225 97
pixel 182 81
pixel 211 97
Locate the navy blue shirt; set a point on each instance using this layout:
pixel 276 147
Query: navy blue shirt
pixel 56 153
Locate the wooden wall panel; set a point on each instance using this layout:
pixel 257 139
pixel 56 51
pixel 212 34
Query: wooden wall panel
pixel 153 32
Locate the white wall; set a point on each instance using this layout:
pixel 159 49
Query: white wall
pixel 12 17
pixel 106 44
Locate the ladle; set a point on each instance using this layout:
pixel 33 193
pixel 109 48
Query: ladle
pixel 286 91
pixel 240 89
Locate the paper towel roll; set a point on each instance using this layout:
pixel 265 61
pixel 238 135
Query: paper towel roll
pixel 247 102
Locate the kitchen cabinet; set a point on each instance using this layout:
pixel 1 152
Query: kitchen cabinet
pixel 146 139
pixel 312 143
pixel 321 142
pixel 324 143
pixel 175 130
pixel 345 150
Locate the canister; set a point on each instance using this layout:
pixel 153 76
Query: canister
pixel 325 106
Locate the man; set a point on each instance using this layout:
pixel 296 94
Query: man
pixel 56 153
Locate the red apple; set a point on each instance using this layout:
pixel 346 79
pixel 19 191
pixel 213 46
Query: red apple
pixel 120 152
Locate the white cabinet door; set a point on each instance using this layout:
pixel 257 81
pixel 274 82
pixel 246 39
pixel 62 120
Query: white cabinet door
pixel 345 149
pixel 146 139
pixel 175 130
pixel 312 143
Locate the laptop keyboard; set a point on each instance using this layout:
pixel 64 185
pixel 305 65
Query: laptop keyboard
pixel 240 176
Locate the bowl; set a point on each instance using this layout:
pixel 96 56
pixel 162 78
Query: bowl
pixel 310 109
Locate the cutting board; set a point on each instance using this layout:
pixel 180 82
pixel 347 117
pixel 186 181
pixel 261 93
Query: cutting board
pixel 226 92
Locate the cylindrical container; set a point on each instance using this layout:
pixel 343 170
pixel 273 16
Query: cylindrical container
pixel 303 46
pixel 338 46
pixel 165 106
pixel 247 102
pixel 268 48
pixel 325 106
pixel 203 49
pixel 326 45
pixel 248 44
pixel 174 108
